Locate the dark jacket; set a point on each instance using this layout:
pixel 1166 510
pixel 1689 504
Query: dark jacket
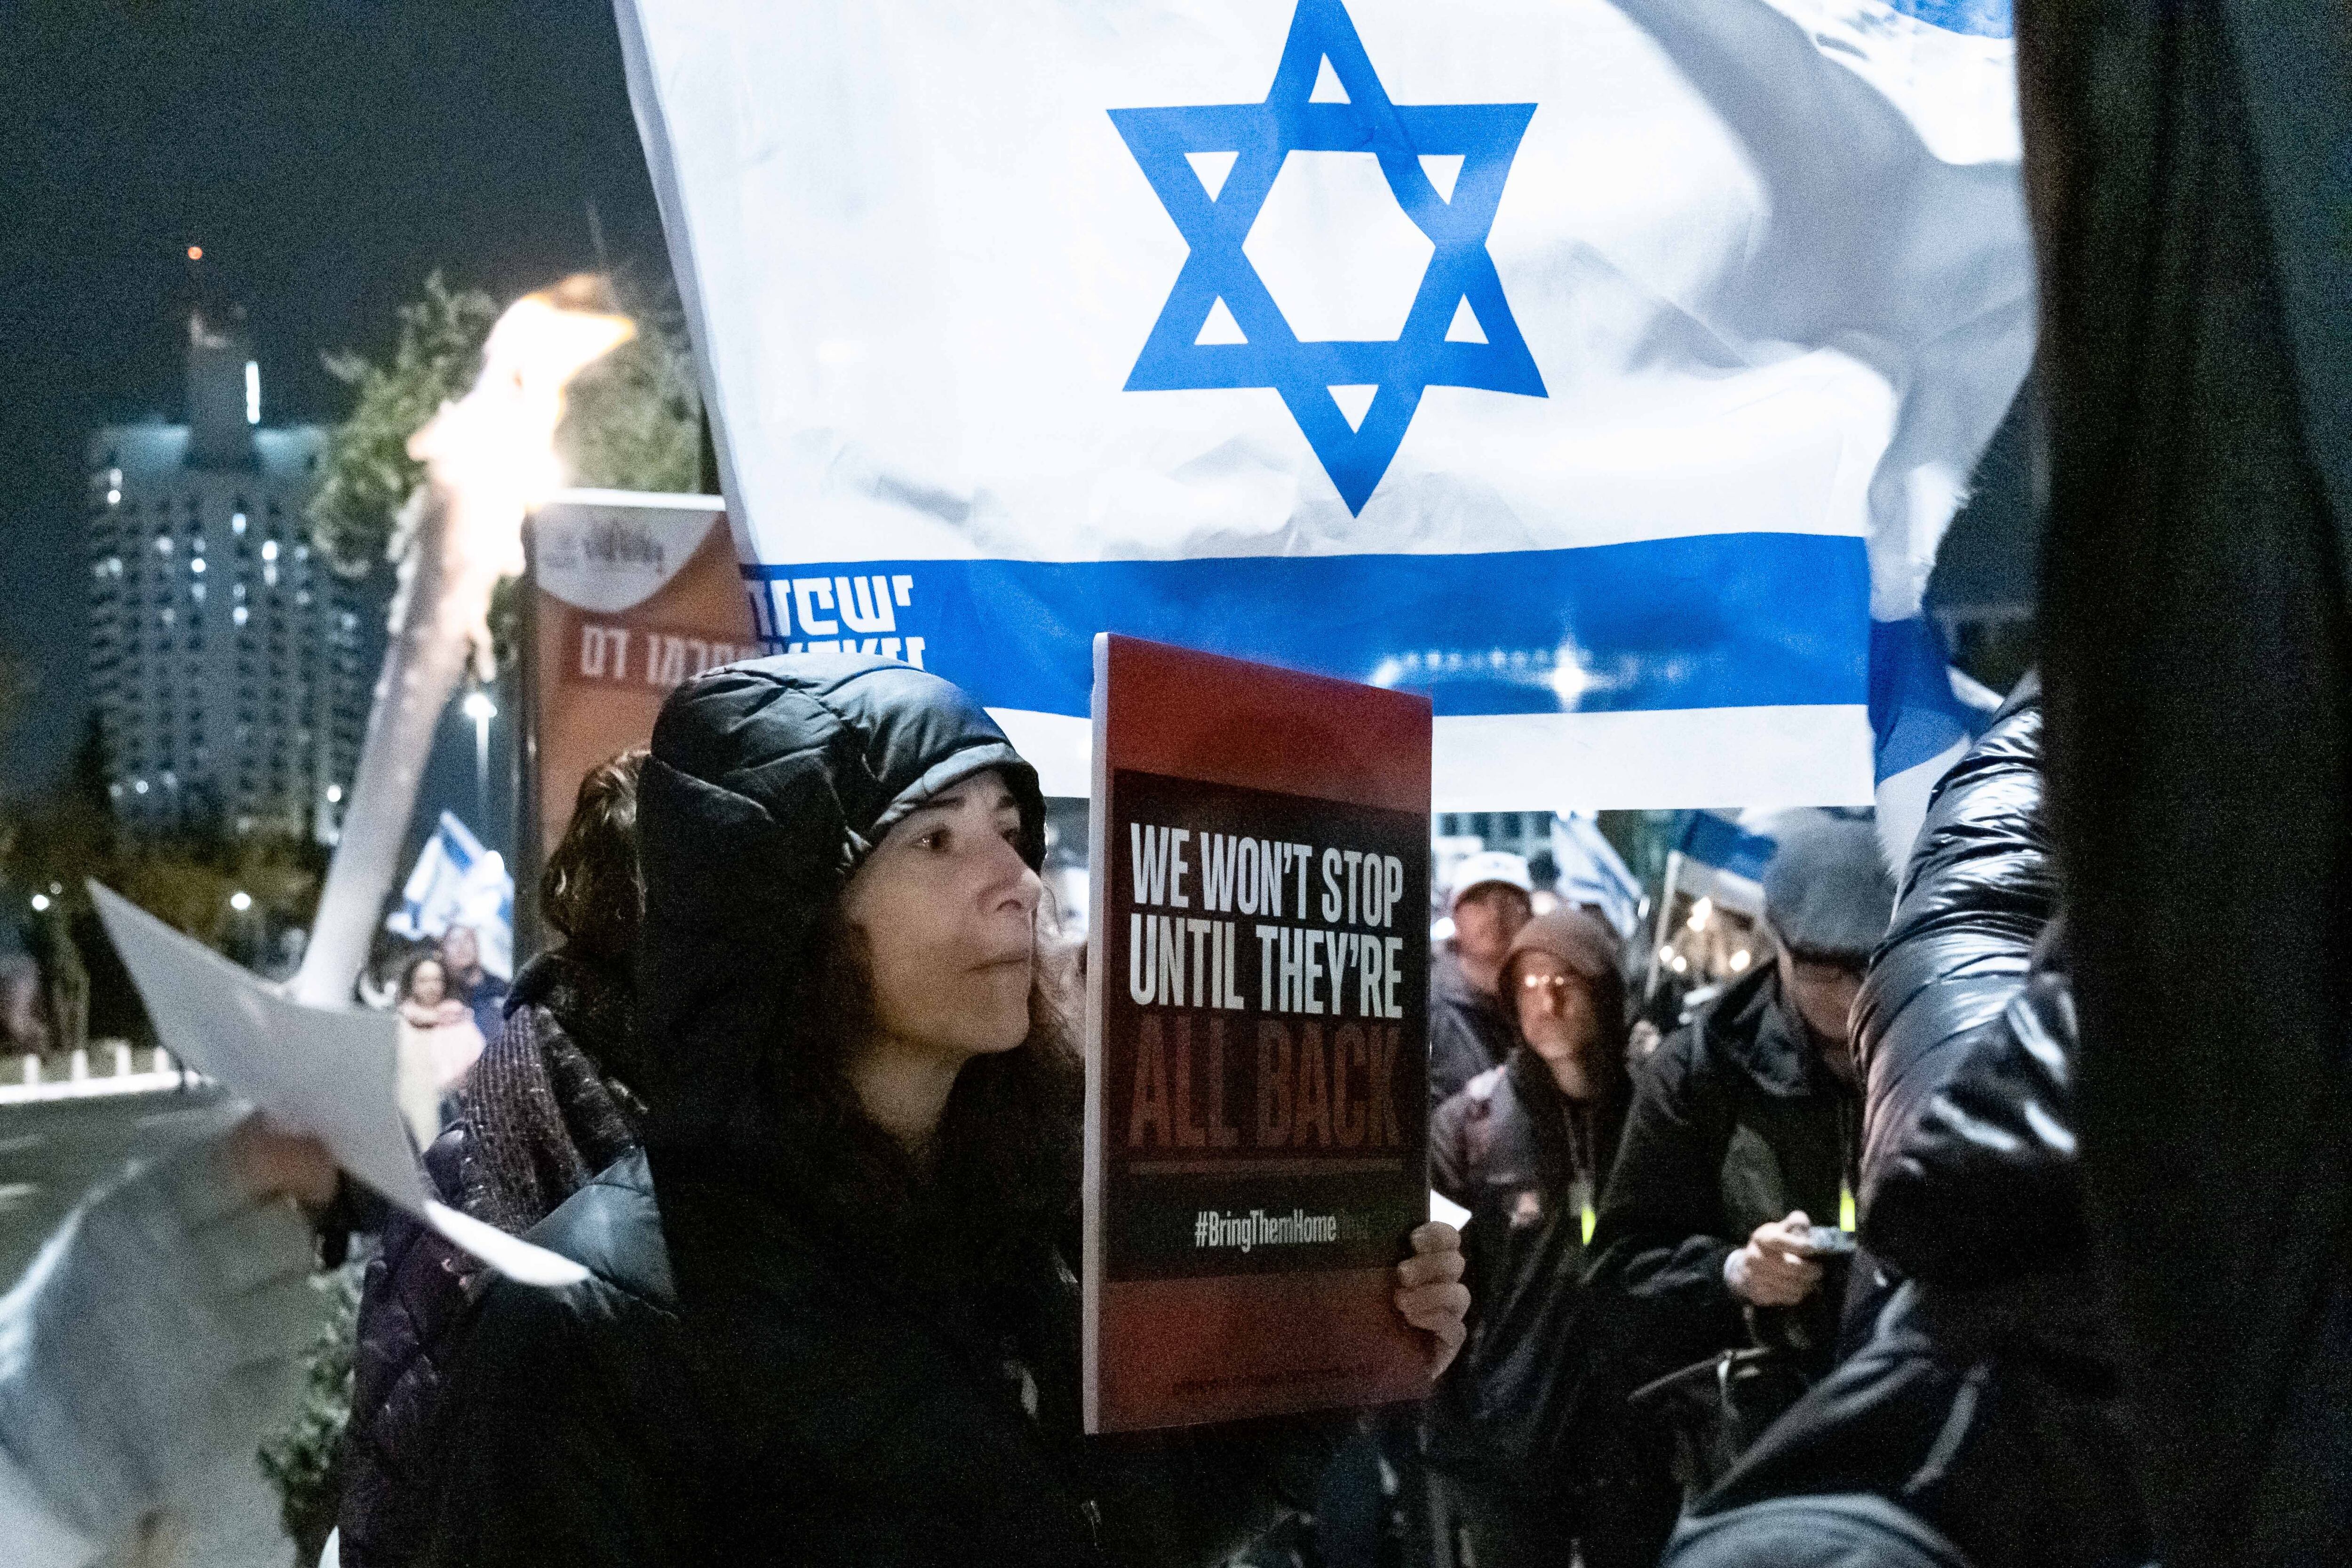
pixel 1736 1122
pixel 741 1379
pixel 1987 1399
pixel 536 1117
pixel 1532 1401
pixel 2193 375
pixel 487 999
pixel 1966 1040
pixel 1469 1031
pixel 1518 1403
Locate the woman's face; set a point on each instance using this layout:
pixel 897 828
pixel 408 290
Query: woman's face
pixel 1557 1017
pixel 427 984
pixel 949 912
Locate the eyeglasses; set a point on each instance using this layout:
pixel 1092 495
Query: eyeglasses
pixel 1827 966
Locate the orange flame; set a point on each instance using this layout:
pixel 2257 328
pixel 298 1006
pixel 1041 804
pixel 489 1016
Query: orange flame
pixel 491 456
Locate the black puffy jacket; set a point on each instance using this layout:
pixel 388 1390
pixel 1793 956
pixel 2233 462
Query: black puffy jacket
pixel 1966 1035
pixel 737 1381
pixel 1987 1399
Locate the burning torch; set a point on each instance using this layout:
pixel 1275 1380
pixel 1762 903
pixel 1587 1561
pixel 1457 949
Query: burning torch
pixel 490 457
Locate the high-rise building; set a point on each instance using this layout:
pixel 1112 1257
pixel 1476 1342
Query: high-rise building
pixel 232 669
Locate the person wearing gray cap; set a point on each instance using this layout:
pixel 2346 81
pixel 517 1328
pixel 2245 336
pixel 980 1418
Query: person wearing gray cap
pixel 1737 1163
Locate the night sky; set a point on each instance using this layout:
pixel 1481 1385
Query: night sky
pixel 327 155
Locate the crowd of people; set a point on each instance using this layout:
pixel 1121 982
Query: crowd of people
pixel 1996 1221
pixel 850 1323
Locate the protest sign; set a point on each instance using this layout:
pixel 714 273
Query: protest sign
pixel 1256 1042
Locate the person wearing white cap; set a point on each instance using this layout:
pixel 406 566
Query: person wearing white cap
pixel 1470 1029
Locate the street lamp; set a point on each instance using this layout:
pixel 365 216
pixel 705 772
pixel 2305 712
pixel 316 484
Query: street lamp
pixel 478 707
pixel 40 904
pixel 240 900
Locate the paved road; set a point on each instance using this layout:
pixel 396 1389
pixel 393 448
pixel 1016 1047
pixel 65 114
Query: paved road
pixel 50 1154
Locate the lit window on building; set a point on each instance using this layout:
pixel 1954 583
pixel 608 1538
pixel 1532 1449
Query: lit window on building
pixel 237 522
pixel 269 549
pixel 238 615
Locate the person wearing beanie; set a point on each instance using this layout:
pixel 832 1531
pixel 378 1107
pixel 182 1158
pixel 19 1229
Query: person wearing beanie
pixel 1529 1436
pixel 833 1314
pixel 1742 1146
pixel 1470 1026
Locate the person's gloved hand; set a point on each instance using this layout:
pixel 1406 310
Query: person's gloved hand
pixel 1777 1267
pixel 161 1326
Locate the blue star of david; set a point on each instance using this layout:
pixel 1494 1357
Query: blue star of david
pixel 1261 136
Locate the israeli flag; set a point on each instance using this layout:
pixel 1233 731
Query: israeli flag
pixel 1593 873
pixel 1606 369
pixel 458 882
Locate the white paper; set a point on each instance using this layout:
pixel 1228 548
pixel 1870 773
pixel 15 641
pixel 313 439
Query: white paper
pixel 331 1073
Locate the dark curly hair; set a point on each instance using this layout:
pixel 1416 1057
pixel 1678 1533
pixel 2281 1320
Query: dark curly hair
pixel 592 890
pixel 408 974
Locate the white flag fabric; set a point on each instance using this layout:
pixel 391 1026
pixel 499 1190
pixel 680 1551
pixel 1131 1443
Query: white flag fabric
pixel 1593 873
pixel 1606 369
pixel 458 882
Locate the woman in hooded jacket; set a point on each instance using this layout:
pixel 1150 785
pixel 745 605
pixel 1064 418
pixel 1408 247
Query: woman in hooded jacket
pixel 831 1316
pixel 1530 1435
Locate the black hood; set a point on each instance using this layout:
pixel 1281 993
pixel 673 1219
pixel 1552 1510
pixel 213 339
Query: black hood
pixel 768 783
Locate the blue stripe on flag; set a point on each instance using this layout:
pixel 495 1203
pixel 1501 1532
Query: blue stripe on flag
pixel 1913 711
pixel 1985 18
pixel 1712 621
pixel 1723 844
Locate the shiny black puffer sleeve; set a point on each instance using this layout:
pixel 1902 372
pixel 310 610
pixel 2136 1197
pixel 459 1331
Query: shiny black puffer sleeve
pixel 1964 1029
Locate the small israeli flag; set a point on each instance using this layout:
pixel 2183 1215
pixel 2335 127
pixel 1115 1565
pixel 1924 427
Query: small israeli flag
pixel 1606 369
pixel 1593 873
pixel 458 882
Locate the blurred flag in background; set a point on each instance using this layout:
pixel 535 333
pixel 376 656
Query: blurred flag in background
pixel 458 882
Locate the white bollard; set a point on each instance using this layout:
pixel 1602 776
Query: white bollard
pixel 78 1070
pixel 121 1058
pixel 32 1068
pixel 163 1060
